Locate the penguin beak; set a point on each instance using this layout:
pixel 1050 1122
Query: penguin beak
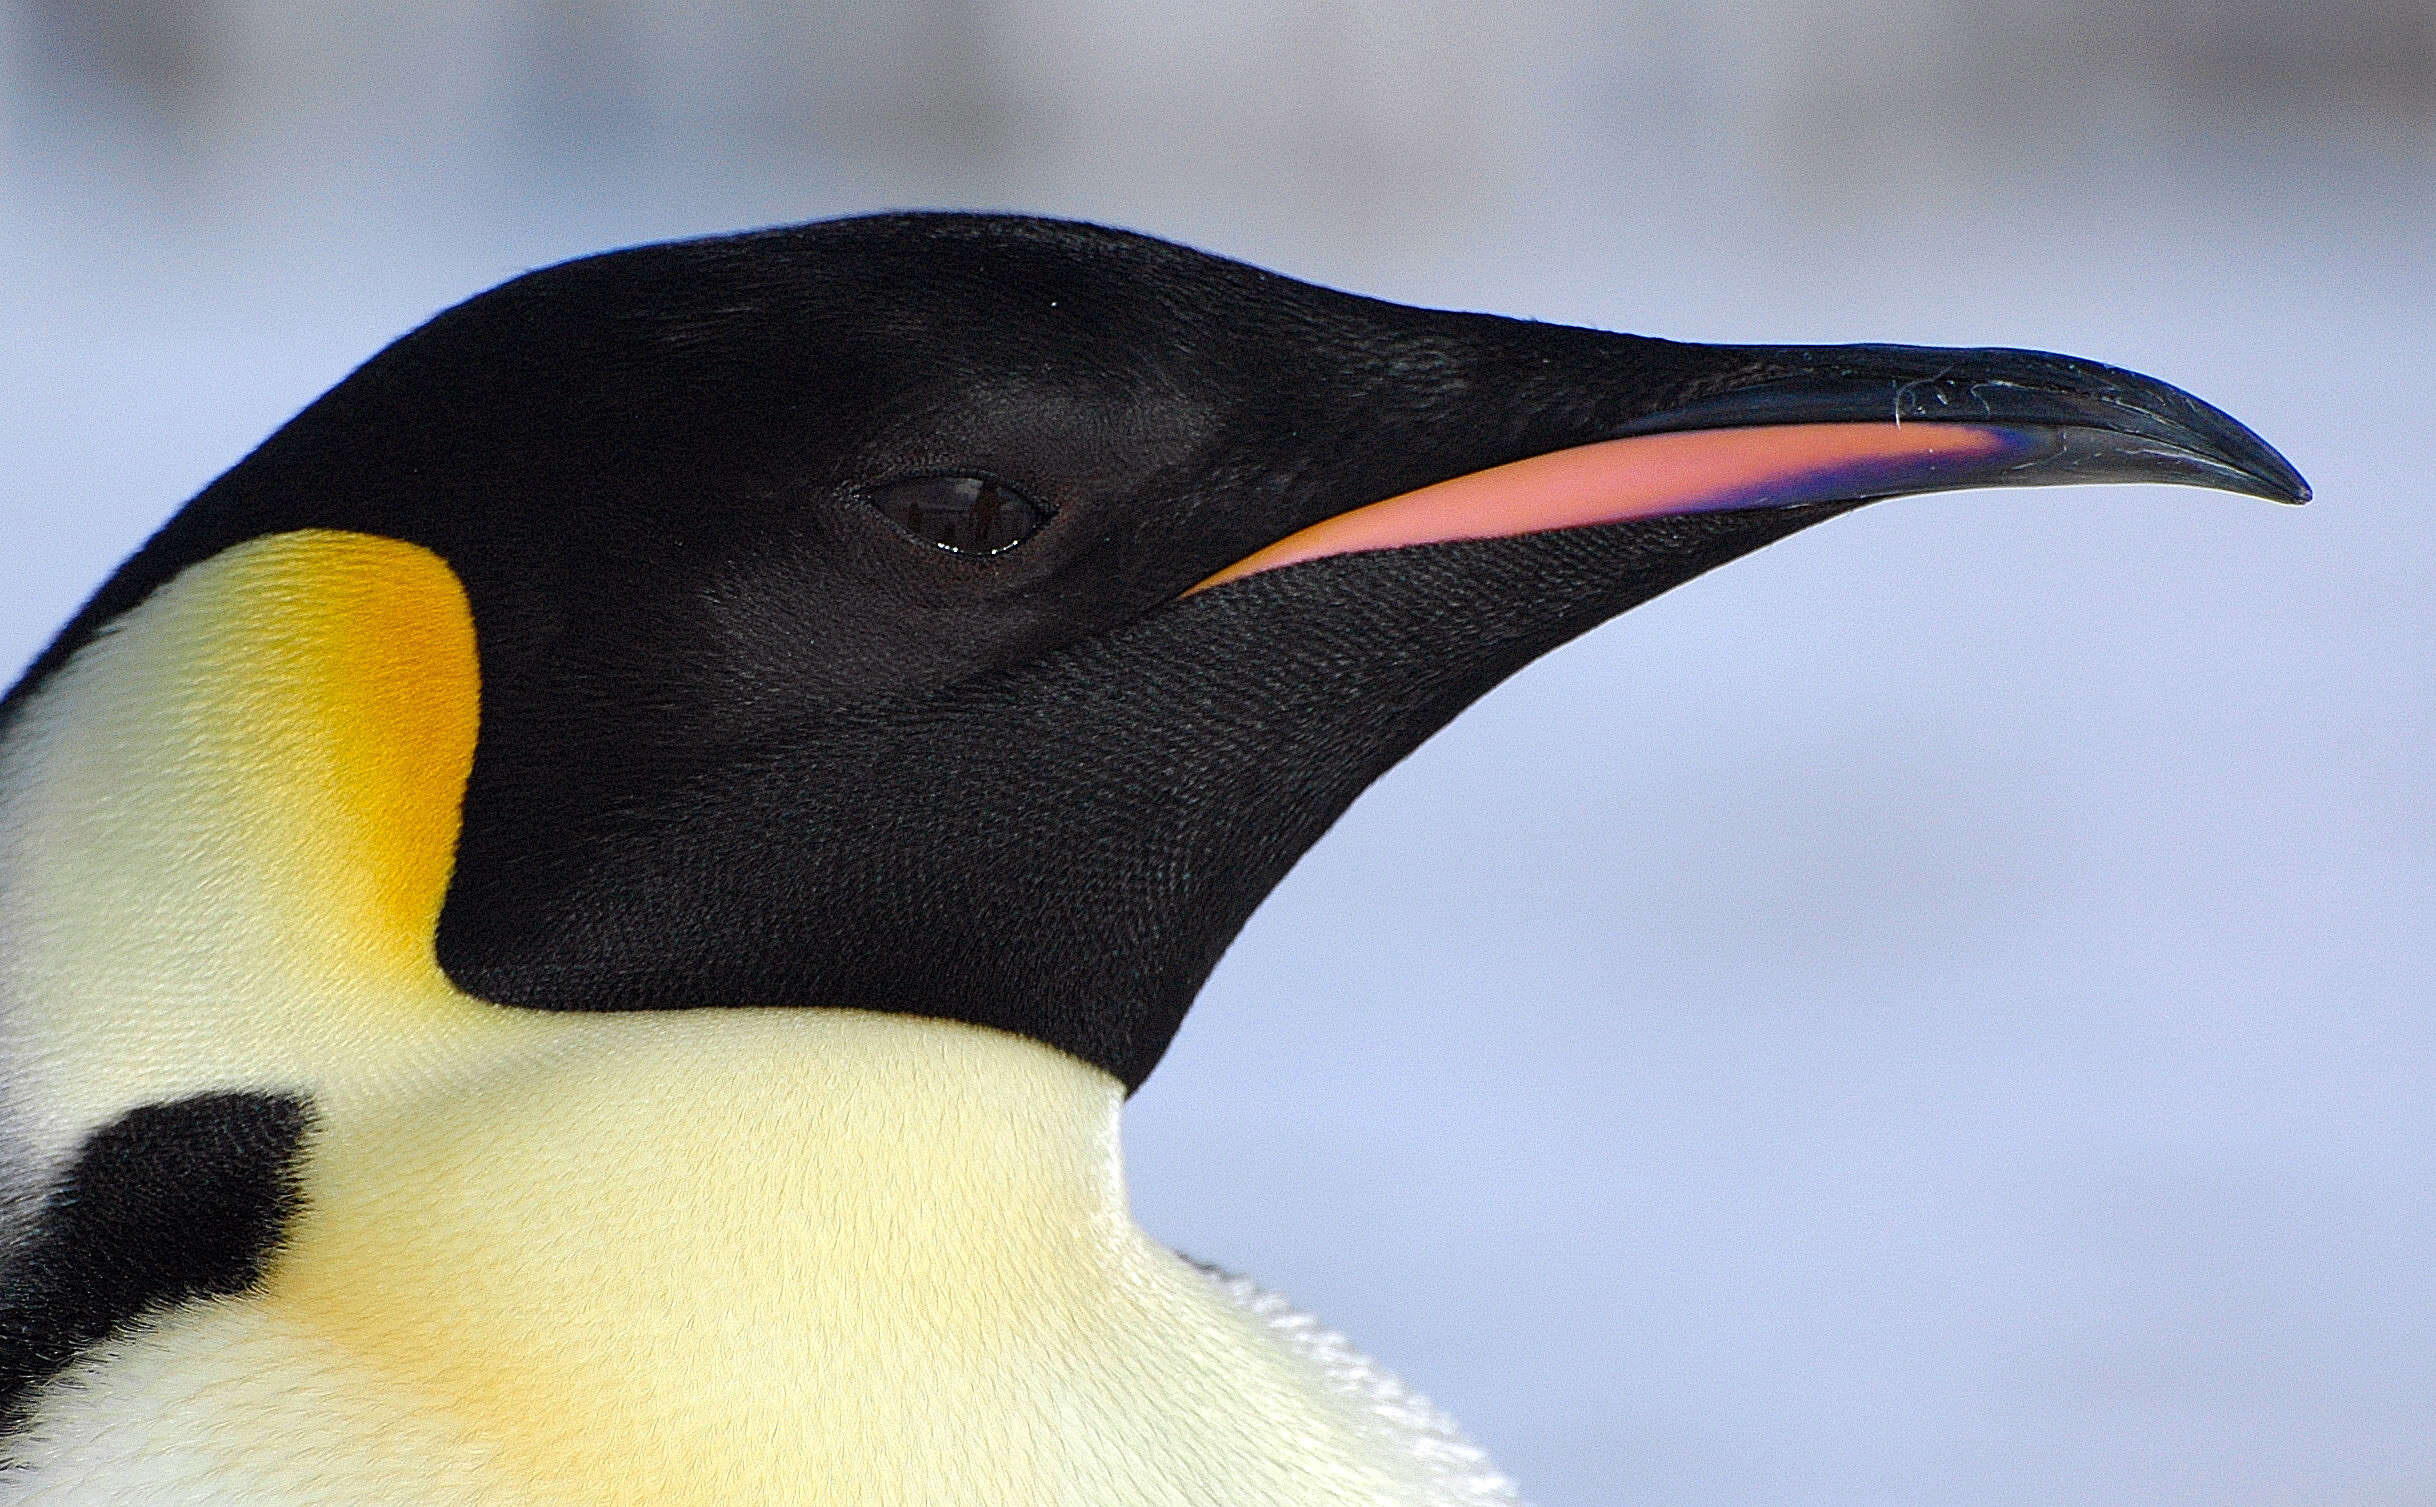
pixel 1831 424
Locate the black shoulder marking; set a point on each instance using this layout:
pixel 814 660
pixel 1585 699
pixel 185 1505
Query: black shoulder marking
pixel 164 1205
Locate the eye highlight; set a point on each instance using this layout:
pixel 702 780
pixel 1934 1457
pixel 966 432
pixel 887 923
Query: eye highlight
pixel 970 515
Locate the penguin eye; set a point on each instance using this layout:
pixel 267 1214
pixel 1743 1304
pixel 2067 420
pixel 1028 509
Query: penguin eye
pixel 971 515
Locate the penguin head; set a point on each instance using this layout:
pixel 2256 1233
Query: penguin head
pixel 976 616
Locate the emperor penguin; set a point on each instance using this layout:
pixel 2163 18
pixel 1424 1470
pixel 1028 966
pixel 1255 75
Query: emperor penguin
pixel 575 928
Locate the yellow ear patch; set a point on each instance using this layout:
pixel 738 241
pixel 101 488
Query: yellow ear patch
pixel 226 828
pixel 350 662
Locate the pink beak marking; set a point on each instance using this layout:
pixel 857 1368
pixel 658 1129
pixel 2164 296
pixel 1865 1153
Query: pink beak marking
pixel 1656 475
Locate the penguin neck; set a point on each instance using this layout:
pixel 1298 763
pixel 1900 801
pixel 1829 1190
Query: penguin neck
pixel 226 828
pixel 790 1164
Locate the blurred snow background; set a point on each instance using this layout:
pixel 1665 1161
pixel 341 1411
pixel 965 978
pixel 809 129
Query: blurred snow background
pixel 1941 1011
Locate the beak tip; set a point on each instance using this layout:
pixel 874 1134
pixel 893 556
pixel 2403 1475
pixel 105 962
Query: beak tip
pixel 2223 441
pixel 2278 480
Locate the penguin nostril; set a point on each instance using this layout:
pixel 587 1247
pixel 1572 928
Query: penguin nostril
pixel 971 515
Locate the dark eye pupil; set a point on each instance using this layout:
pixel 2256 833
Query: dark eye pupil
pixel 971 515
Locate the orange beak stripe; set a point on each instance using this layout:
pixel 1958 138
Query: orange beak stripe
pixel 1655 475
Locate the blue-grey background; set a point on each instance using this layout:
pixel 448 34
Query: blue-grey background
pixel 1943 1011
